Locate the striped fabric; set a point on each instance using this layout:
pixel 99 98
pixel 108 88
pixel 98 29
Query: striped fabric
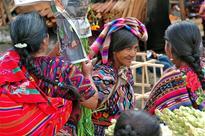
pixel 112 102
pixel 172 91
pixel 56 69
pixel 102 43
pixel 24 109
pixel 32 118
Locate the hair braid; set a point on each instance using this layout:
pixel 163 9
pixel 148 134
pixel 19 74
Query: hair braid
pixel 194 62
pixel 27 60
pixel 185 40
pixel 136 123
pixel 126 131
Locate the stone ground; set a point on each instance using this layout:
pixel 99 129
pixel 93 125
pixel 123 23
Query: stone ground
pixel 5 40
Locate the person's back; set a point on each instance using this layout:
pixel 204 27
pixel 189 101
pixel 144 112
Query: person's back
pixel 184 85
pixel 137 123
pixel 30 80
pixel 24 108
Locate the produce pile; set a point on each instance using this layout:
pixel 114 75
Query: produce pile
pixel 184 121
pixel 110 130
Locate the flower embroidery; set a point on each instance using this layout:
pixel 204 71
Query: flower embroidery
pixel 97 115
pixel 192 81
pixel 106 115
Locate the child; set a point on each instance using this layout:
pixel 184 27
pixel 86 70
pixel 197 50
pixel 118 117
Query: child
pixel 137 123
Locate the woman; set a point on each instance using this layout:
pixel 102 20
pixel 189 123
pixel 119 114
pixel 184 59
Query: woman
pixel 184 85
pixel 137 123
pixel 115 47
pixel 29 80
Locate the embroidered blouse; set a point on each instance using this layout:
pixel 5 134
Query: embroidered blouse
pixel 113 99
pixel 24 107
pixel 176 88
pixel 55 69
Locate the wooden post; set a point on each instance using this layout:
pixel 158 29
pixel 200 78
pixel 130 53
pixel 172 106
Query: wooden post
pixel 7 10
pixel 182 9
pixel 2 15
pixel 143 86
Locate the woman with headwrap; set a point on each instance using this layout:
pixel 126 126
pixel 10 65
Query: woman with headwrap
pixel 115 49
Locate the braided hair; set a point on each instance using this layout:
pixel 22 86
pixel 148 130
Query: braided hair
pixel 137 123
pixel 185 40
pixel 30 28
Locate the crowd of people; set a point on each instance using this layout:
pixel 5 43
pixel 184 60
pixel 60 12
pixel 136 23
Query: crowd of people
pixel 41 94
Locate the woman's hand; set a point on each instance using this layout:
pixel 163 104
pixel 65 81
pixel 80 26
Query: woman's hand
pixel 55 51
pixel 87 68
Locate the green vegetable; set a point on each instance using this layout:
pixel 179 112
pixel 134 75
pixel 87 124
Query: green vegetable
pixel 185 121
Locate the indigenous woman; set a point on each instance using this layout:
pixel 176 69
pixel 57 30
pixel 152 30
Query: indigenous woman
pixel 183 85
pixel 115 49
pixel 30 80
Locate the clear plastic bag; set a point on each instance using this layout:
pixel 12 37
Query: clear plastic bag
pixel 76 8
pixel 70 44
pixel 72 26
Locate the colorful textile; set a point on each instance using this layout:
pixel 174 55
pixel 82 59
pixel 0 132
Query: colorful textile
pixel 85 124
pixel 55 69
pixel 174 90
pixel 115 86
pixel 100 130
pixel 113 99
pixel 24 108
pixel 102 43
pixel 69 129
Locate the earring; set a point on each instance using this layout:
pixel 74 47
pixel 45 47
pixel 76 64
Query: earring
pixel 171 59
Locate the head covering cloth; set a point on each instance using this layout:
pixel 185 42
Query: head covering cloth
pixel 102 43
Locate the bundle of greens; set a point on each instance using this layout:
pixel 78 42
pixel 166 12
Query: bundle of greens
pixel 184 121
pixel 110 130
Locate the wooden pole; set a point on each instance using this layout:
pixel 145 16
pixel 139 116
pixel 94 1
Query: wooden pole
pixel 7 10
pixel 182 9
pixel 2 15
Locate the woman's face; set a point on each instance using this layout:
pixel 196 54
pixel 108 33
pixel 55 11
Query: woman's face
pixel 46 42
pixel 125 56
pixel 168 49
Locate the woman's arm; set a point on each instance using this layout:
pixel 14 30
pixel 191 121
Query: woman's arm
pixel 92 101
pixel 87 88
pixel 57 70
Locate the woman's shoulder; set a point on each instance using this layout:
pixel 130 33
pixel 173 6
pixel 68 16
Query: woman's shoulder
pixel 173 76
pixel 52 61
pixel 103 68
pixel 166 90
pixel 104 72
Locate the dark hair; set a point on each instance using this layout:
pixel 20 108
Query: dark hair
pixel 185 39
pixel 137 123
pixel 122 39
pixel 30 28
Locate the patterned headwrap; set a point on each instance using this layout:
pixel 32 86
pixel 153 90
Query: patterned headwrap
pixel 102 43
